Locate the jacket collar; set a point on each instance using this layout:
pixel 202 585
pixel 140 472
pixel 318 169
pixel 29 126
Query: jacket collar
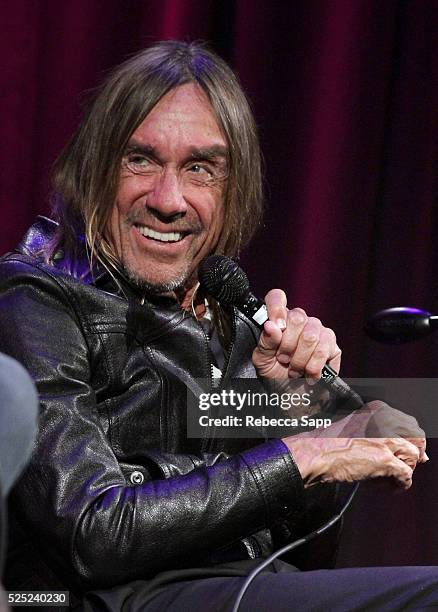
pixel 39 235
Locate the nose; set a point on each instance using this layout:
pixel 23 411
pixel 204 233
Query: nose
pixel 165 197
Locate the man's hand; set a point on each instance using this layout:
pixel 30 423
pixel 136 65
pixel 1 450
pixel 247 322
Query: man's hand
pixel 349 456
pixel 293 344
pixel 377 419
pixel 353 459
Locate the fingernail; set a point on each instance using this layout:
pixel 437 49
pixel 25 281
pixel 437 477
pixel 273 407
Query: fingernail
pixel 282 358
pixel 426 458
pixel 267 328
pixel 281 323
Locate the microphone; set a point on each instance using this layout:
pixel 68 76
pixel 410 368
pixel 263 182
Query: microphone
pixel 227 283
pixel 401 324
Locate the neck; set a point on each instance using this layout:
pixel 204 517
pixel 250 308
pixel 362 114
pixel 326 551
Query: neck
pixel 192 300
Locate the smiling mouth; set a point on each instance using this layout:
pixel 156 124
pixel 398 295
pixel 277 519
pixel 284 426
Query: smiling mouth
pixel 160 236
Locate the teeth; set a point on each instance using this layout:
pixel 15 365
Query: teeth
pixel 162 237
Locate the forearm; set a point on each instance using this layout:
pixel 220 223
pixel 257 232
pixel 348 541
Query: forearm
pixel 132 532
pixel 77 494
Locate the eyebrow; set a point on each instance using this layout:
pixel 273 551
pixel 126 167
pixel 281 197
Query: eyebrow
pixel 209 152
pixel 135 146
pixel 196 153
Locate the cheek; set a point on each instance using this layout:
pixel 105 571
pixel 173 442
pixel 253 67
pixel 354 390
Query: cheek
pixel 131 189
pixel 123 204
pixel 213 217
pixel 112 232
pixel 123 198
pixel 116 227
pixel 218 221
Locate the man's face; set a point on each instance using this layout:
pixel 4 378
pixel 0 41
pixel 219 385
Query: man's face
pixel 169 206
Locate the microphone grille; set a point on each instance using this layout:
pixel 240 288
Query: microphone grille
pixel 223 279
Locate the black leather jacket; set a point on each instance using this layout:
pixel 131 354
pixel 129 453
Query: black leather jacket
pixel 116 491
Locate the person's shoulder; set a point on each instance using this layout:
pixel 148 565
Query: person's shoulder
pixel 29 255
pixel 40 264
pixel 33 257
pixel 16 265
pixel 29 286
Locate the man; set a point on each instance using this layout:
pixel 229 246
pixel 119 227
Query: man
pixel 103 310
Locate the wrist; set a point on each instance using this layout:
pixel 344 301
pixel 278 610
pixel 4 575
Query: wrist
pixel 308 458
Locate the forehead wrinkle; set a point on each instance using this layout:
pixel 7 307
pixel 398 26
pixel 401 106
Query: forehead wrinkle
pixel 182 119
pixel 193 153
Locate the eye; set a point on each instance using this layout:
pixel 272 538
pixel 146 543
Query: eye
pixel 204 173
pixel 200 169
pixel 136 159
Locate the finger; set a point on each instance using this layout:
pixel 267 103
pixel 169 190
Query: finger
pixel 276 304
pixel 389 464
pixel 295 322
pixel 401 472
pixel 270 338
pixel 392 423
pixel 322 353
pixel 404 450
pixel 335 359
pixel 263 356
pixel 420 443
pixel 306 344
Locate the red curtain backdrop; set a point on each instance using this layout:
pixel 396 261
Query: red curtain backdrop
pixel 345 93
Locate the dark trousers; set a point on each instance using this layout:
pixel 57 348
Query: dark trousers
pixel 281 588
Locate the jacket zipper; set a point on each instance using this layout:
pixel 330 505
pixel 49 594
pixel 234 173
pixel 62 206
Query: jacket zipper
pixel 209 368
pixel 252 546
pixel 230 348
pixel 208 440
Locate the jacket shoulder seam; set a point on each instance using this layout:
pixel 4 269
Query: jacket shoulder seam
pixel 57 280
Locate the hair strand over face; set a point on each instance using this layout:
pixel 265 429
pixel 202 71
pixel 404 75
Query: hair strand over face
pixel 86 174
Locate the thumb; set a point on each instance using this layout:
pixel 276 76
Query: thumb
pixel 270 339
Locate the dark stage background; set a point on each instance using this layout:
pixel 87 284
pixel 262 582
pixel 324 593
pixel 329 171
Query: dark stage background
pixel 346 97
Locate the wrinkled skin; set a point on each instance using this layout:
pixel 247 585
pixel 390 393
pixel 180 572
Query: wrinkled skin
pixel 294 345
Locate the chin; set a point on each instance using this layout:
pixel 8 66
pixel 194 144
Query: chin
pixel 157 285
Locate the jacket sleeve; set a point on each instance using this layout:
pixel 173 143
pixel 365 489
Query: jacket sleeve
pixel 74 498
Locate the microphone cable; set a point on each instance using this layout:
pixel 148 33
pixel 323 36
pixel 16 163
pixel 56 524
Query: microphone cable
pixel 256 571
pixel 223 279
